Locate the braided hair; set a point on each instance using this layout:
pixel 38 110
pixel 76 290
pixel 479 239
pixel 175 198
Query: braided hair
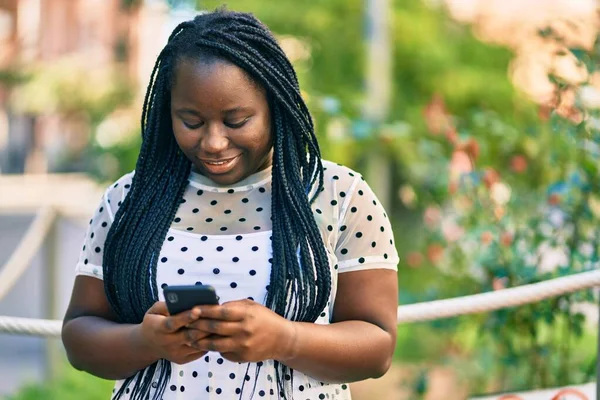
pixel 300 281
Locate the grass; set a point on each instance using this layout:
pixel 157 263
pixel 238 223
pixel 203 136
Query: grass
pixel 72 385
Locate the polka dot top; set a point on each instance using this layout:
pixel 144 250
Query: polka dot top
pixel 221 236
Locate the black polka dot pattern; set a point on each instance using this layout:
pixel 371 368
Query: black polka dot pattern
pixel 222 237
pixel 363 234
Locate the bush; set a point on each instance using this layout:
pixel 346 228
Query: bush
pixel 71 385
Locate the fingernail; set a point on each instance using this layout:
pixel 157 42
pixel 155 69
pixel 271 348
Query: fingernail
pixel 196 312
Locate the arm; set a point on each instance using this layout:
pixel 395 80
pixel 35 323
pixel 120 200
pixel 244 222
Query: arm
pixel 361 339
pixel 358 344
pixel 95 343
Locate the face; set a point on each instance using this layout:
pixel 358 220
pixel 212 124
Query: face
pixel 221 120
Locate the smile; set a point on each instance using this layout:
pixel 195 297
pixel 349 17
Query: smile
pixel 216 162
pixel 220 166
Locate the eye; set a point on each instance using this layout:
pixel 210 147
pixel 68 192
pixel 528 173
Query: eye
pixel 193 126
pixel 237 124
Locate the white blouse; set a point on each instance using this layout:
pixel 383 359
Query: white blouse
pixel 221 236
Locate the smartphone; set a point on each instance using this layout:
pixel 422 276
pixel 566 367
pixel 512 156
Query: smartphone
pixel 183 298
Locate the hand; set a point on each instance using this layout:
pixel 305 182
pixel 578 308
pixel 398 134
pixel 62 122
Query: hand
pixel 245 331
pixel 168 336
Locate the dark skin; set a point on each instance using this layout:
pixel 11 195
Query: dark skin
pixel 219 113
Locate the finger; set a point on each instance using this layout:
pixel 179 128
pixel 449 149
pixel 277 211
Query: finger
pixel 190 336
pixel 186 337
pixel 191 356
pixel 216 343
pixel 178 321
pixel 188 351
pixel 159 308
pixel 233 311
pixel 215 326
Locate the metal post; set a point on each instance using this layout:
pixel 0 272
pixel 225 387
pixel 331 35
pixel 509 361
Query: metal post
pixel 53 355
pixel 378 84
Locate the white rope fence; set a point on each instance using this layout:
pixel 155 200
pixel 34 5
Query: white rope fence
pixel 30 326
pixel 426 311
pixel 496 300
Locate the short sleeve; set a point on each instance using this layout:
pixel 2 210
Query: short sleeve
pixel 90 256
pixel 92 251
pixel 366 239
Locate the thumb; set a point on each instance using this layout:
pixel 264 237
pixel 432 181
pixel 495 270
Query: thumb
pixel 159 308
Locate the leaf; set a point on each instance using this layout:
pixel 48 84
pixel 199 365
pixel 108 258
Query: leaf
pixel 577 330
pixel 558 81
pixel 579 53
pixel 545 32
pixel 590 65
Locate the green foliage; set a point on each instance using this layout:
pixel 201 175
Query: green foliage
pixel 110 162
pixel 72 385
pixel 431 55
pixel 515 214
pixel 13 76
pixel 63 88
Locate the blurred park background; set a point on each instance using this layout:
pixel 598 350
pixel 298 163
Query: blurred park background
pixel 477 122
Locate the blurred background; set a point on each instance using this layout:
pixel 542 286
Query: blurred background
pixel 477 123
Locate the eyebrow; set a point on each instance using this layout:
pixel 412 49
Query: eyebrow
pixel 187 111
pixel 237 109
pixel 225 112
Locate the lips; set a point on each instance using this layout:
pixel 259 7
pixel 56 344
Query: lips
pixel 221 166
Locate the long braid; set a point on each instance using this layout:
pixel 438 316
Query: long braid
pixel 300 281
pixel 134 240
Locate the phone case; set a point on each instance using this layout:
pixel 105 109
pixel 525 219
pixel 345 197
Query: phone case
pixel 183 298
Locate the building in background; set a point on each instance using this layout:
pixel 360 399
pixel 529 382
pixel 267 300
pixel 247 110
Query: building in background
pixel 65 66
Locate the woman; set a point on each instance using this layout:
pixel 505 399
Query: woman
pixel 230 190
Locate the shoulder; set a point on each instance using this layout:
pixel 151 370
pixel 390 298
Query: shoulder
pixel 117 191
pixel 338 172
pixel 332 168
pixel 342 177
pixel 340 185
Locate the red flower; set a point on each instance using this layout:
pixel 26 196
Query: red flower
pixel 486 237
pixel 471 147
pixel 506 239
pixel 435 252
pixel 453 188
pixel 490 176
pixel 414 259
pixel 544 112
pixel 554 199
pixel 499 283
pixel 436 116
pixel 518 164
pixel 432 217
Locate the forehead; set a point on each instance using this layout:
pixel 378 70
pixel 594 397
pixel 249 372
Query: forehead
pixel 214 83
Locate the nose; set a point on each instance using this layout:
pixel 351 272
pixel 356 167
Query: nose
pixel 215 140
